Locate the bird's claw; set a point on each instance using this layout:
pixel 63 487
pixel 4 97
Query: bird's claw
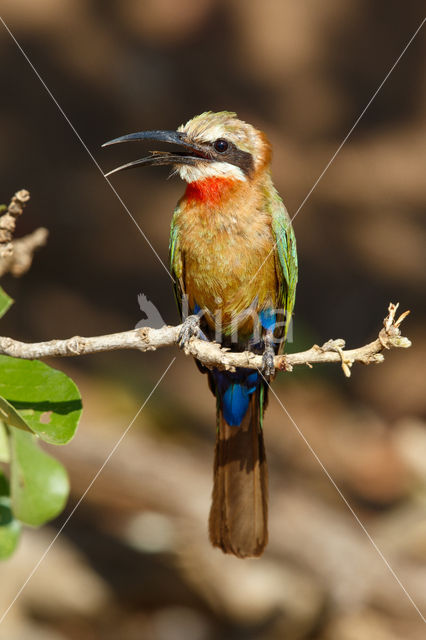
pixel 190 328
pixel 268 367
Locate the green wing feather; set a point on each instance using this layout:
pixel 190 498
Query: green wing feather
pixel 176 261
pixel 285 257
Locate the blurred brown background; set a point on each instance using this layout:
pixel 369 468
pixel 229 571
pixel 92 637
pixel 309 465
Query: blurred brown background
pixel 134 561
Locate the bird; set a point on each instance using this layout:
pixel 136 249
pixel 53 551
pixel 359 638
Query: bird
pixel 234 264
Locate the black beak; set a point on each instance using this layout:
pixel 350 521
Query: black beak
pixel 191 155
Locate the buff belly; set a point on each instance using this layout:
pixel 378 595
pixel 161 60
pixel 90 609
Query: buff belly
pixel 231 282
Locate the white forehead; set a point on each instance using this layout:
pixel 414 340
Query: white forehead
pixel 208 122
pixel 210 170
pixel 207 134
pixel 209 126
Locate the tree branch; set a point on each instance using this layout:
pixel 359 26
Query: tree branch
pixel 210 353
pixel 16 256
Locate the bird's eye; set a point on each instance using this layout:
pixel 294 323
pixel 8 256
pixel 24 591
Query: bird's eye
pixel 221 145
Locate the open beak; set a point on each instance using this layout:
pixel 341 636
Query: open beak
pixel 191 153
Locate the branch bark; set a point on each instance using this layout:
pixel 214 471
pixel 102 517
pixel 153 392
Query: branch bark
pixel 16 256
pixel 211 354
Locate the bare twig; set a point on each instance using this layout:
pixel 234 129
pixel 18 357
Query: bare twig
pixel 23 252
pixel 16 255
pixel 8 221
pixel 210 353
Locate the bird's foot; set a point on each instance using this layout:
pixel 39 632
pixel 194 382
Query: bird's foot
pixel 190 328
pixel 268 368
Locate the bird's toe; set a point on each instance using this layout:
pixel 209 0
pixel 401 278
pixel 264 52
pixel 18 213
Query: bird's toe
pixel 190 328
pixel 268 368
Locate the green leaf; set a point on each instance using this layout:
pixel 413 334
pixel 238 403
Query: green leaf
pixel 5 302
pixel 10 415
pixel 47 400
pixel 39 483
pixel 4 446
pixel 10 529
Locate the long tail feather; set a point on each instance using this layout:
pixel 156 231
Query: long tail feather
pixel 239 511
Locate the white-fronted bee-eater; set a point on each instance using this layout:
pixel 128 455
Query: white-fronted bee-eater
pixel 234 263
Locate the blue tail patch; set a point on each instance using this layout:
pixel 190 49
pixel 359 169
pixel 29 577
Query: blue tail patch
pixel 268 319
pixel 235 402
pixel 235 390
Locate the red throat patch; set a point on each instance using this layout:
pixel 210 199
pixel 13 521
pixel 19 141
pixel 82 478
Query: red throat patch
pixel 209 191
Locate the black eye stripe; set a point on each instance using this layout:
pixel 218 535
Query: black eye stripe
pixel 229 152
